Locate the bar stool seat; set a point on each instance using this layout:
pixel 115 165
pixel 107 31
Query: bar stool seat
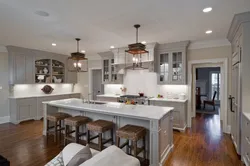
pixel 100 126
pixel 132 133
pixel 55 118
pixel 76 122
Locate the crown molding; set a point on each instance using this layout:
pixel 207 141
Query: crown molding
pixel 3 49
pixel 236 23
pixel 208 44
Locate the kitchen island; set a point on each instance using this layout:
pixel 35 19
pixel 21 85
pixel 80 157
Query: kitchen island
pixel 157 121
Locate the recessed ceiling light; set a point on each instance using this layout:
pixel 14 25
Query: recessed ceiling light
pixel 207 9
pixel 209 32
pixel 42 13
pixel 143 42
pixel 112 47
pixel 83 51
pixel 53 44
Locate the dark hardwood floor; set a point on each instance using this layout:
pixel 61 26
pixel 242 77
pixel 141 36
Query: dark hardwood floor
pixel 203 145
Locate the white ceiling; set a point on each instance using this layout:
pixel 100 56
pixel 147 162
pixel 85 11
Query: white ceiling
pixel 102 23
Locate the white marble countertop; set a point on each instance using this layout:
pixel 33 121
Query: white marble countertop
pixel 109 95
pixel 43 95
pixel 170 100
pixel 145 112
pixel 247 115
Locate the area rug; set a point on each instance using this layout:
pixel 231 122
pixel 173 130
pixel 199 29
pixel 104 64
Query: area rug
pixel 209 110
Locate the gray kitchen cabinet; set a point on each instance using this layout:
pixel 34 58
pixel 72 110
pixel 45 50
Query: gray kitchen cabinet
pixel 245 139
pixel 21 68
pixel 22 109
pixel 171 63
pixel 179 113
pixel 109 69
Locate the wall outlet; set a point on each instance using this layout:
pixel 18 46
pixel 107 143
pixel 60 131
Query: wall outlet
pixel 1 87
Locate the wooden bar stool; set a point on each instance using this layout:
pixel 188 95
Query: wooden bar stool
pixel 134 134
pixel 57 119
pixel 100 126
pixel 75 122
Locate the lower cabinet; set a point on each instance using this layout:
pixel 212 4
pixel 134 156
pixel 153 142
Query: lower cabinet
pixel 245 140
pixel 179 113
pixel 22 109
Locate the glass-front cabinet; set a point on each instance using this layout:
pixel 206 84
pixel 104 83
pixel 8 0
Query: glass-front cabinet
pixel 109 72
pixel 105 70
pixel 171 68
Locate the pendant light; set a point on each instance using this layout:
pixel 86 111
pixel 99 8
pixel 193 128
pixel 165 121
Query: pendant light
pixel 136 50
pixel 77 61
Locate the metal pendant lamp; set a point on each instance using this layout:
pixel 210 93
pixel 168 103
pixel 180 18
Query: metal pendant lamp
pixel 77 61
pixel 136 50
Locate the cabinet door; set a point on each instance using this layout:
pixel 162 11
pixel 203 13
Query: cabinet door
pixel 26 109
pixel 106 71
pixel 20 69
pixel 176 67
pixel 163 69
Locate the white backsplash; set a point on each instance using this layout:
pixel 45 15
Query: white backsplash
pixel 35 89
pixel 144 81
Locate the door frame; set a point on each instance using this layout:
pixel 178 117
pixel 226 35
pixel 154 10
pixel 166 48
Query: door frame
pixel 90 80
pixel 224 91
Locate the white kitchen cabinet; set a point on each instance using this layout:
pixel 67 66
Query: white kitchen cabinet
pixel 179 113
pixel 171 63
pixel 109 69
pixel 22 109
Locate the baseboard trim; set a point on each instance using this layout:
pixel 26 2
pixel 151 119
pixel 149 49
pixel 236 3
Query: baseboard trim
pixel 4 119
pixel 181 129
pixel 228 129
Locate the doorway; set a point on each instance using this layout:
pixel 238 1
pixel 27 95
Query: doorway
pixel 222 63
pixel 96 86
pixel 207 85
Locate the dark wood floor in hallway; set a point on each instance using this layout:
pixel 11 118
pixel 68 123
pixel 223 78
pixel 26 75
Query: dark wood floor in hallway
pixel 203 145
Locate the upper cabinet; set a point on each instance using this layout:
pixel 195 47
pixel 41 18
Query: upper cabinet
pixel 171 63
pixel 110 73
pixel 33 66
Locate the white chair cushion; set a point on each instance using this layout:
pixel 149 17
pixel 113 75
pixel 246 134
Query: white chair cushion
pixel 112 156
pixel 71 150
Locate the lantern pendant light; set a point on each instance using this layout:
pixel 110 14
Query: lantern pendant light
pixel 136 50
pixel 77 61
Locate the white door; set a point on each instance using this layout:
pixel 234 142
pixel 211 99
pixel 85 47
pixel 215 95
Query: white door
pixel 234 106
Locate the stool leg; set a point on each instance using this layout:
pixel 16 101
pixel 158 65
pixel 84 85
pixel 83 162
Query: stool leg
pixel 127 147
pixel 66 134
pixel 77 134
pixel 144 149
pixel 112 137
pixel 118 141
pixel 88 136
pixel 135 148
pixel 130 147
pixel 60 131
pixel 55 132
pixel 47 130
pixel 100 141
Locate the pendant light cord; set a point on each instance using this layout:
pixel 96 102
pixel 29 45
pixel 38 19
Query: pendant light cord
pixel 136 35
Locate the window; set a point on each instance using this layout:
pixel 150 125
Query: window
pixel 215 82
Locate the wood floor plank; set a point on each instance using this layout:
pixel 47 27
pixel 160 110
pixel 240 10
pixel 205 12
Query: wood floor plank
pixel 203 145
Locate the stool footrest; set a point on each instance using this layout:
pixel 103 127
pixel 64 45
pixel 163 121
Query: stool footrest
pixel 104 141
pixel 93 137
pixel 124 144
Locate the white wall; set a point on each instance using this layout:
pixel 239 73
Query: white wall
pixel 143 81
pixel 33 89
pixel 4 92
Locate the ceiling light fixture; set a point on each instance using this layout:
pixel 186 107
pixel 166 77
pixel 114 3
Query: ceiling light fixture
pixel 53 44
pixel 207 10
pixel 42 13
pixel 143 42
pixel 83 51
pixel 77 61
pixel 112 47
pixel 209 32
pixel 137 50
